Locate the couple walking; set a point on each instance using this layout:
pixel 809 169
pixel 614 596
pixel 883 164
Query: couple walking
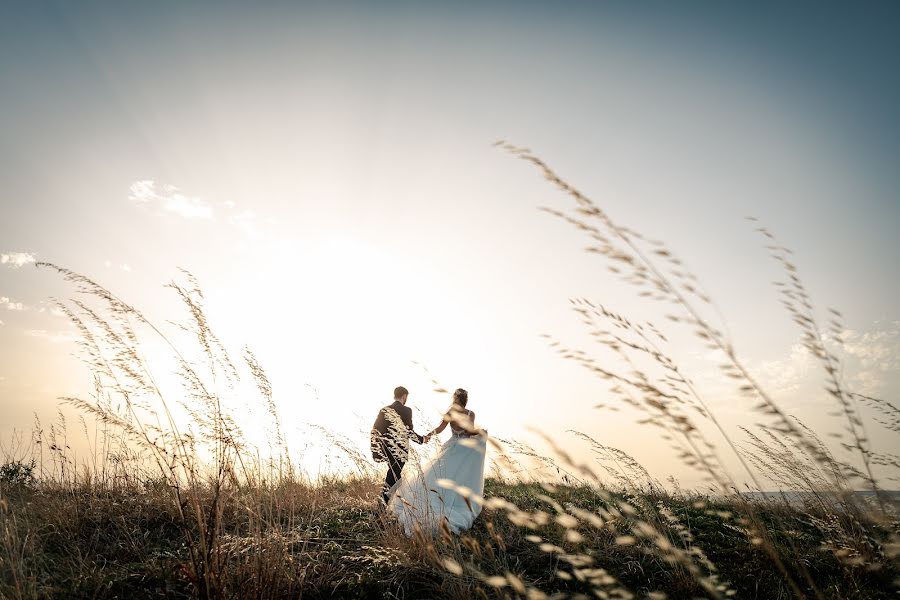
pixel 449 487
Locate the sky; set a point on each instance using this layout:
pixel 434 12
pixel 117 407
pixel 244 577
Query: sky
pixel 327 172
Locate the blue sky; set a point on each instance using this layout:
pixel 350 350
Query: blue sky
pixel 308 160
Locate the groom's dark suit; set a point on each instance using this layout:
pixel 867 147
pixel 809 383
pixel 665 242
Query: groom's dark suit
pixel 392 429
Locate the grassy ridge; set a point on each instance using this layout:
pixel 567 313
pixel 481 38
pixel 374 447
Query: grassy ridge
pixel 326 541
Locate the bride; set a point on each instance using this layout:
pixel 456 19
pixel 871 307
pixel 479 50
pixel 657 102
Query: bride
pixel 449 486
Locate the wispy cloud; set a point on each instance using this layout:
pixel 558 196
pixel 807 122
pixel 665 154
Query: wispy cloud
pixel 57 337
pixel 10 305
pixel 245 221
pixel 169 199
pixel 16 259
pixel 785 375
pixel 876 354
pixel 122 267
pixel 52 309
pixel 869 359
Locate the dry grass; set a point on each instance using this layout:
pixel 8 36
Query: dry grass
pixel 174 502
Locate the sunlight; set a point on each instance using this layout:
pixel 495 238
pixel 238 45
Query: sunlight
pixel 339 329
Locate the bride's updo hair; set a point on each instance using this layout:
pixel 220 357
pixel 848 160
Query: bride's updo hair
pixel 461 397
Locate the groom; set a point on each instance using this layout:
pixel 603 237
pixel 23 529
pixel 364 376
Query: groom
pixel 390 438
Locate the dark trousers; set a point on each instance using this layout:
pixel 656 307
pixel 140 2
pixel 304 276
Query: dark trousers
pixel 395 468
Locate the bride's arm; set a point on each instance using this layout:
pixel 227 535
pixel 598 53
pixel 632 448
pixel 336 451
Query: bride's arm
pixel 437 429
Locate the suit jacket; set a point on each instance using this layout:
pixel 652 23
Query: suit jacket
pixel 392 429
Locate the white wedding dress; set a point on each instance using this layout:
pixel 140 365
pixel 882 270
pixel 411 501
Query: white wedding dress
pixel 449 486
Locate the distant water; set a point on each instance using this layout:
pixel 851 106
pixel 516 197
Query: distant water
pixel 891 497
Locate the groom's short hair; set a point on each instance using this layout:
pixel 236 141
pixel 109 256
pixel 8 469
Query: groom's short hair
pixel 399 392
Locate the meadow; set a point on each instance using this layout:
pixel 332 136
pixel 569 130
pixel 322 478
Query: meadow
pixel 164 509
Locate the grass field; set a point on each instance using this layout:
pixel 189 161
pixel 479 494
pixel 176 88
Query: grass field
pixel 326 541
